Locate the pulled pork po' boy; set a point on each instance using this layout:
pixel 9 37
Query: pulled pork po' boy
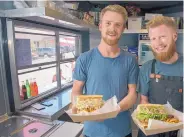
pixel 89 103
pixel 153 111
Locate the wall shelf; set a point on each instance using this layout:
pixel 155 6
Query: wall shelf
pixel 49 16
pixel 59 18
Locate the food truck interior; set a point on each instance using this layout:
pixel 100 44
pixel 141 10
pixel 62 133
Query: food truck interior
pixel 39 44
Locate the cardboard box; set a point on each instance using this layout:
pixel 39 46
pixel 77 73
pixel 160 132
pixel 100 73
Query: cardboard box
pixel 134 23
pixel 109 110
pixel 156 126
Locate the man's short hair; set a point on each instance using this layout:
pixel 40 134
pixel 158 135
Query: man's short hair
pixel 115 8
pixel 161 20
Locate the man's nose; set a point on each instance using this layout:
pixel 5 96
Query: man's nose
pixel 112 27
pixel 158 42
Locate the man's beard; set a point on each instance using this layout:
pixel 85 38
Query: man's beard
pixel 110 42
pixel 165 56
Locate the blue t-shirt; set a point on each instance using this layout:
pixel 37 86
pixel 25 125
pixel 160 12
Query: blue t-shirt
pixel 175 69
pixel 108 77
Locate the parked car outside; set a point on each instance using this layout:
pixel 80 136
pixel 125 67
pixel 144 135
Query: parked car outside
pixel 48 52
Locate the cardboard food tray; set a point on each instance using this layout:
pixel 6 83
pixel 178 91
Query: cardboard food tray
pixel 109 110
pixel 81 118
pixel 156 126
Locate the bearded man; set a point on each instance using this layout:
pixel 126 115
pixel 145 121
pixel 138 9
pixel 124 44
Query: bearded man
pixel 161 79
pixel 108 71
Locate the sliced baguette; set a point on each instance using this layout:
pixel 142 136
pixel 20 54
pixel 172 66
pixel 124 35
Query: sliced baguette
pixel 145 105
pixel 90 96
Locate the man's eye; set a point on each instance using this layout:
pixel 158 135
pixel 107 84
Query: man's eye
pixel 118 25
pixel 108 23
pixel 152 38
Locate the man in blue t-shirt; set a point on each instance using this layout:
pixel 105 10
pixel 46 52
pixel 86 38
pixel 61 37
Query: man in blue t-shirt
pixel 109 71
pixel 161 79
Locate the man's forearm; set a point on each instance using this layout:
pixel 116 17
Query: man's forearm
pixel 76 90
pixel 74 94
pixel 127 102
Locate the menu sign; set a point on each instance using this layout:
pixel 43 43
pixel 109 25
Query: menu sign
pixel 23 52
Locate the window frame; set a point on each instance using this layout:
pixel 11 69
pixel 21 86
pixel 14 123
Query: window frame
pixel 11 24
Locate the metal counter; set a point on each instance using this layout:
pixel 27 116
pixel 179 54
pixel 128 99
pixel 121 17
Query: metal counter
pixel 20 126
pixel 67 129
pixel 60 101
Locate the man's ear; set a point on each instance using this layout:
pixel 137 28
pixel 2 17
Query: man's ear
pixel 175 36
pixel 100 26
pixel 123 29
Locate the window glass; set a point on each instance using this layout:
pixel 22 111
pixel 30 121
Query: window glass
pixel 66 72
pixel 34 49
pixel 67 47
pixel 35 55
pixel 43 79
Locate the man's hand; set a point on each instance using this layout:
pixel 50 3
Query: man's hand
pixel 74 110
pixel 119 109
pixel 144 100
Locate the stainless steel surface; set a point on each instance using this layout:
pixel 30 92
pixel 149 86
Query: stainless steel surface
pixel 4 100
pixel 12 124
pixel 2 13
pixel 34 129
pixel 60 103
pixel 3 117
pixel 40 26
pixel 40 97
pixel 37 65
pixel 55 22
pixel 78 47
pixel 58 70
pixel 12 59
pixel 25 12
pixel 47 15
pixel 68 129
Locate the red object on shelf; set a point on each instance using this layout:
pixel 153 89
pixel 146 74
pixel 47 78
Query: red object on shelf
pixel 23 92
pixel 32 88
pixel 35 88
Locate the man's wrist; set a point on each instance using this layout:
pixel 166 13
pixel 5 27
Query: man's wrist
pixel 119 109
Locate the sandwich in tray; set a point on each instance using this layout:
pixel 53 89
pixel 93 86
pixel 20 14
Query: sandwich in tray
pixel 153 111
pixel 89 103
